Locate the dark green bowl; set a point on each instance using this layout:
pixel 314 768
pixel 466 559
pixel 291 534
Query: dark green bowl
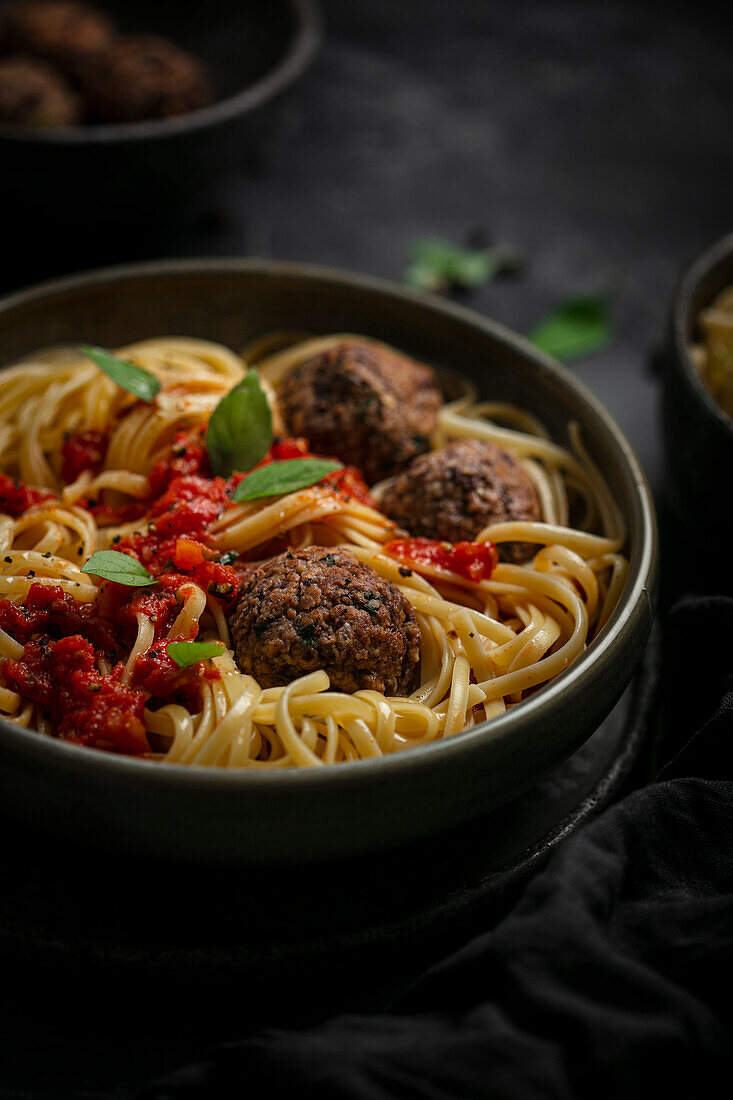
pixel 698 433
pixel 128 189
pixel 252 52
pixel 209 816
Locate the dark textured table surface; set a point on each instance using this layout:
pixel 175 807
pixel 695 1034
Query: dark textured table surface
pixel 593 137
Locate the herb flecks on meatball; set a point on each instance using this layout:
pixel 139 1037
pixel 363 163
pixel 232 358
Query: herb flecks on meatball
pixel 33 94
pixel 367 405
pixel 455 492
pixel 143 76
pixel 62 32
pixel 321 608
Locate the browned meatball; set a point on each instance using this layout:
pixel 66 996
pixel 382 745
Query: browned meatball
pixel 321 608
pixel 61 31
pixel 365 404
pixel 143 76
pixel 32 94
pixel 455 492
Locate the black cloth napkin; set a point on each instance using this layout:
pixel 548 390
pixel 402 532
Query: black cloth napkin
pixel 610 978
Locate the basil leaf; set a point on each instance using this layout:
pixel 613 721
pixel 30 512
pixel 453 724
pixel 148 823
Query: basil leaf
pixel 284 477
pixel 190 653
pixel 439 266
pixel 240 428
pixel 115 566
pixel 575 327
pixel 141 383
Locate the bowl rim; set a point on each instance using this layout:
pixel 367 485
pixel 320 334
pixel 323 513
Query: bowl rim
pixel 638 595
pixel 305 41
pixel 684 294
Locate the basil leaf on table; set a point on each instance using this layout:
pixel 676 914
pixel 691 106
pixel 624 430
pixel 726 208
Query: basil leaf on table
pixel 112 565
pixel 190 653
pixel 140 383
pixel 439 265
pixel 575 327
pixel 240 429
pixel 284 477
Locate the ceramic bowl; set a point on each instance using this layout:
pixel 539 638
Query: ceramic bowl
pixel 698 433
pixel 234 817
pixel 128 190
pixel 252 51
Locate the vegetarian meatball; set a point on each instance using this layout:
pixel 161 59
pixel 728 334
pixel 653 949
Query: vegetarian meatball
pixel 143 76
pixel 32 94
pixel 63 33
pixel 321 608
pixel 363 403
pixel 455 492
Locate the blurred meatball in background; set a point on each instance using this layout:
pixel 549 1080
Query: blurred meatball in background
pixel 143 76
pixel 116 79
pixel 66 34
pixel 366 404
pixel 34 94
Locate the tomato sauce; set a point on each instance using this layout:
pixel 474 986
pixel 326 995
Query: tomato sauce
pixel 188 456
pixel 475 561
pixel 82 451
pixel 283 449
pixel 157 673
pixel 85 706
pixel 110 515
pixel 176 540
pixel 16 497
pixel 189 504
pixel 120 606
pixel 65 641
pixel 47 609
pixel 348 483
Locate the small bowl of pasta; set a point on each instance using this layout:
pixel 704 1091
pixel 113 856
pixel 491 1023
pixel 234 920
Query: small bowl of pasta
pixel 698 413
pixel 295 564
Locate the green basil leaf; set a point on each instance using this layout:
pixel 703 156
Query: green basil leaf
pixel 190 653
pixel 284 477
pixel 240 428
pixel 578 326
pixel 141 383
pixel 115 566
pixel 439 266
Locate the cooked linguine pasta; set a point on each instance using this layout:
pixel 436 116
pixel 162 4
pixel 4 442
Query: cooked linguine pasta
pixel 713 354
pixel 91 467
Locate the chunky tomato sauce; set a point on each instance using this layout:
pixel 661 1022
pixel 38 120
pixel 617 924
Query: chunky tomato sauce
pixel 16 497
pixel 85 706
pixel 65 641
pixel 176 540
pixel 187 456
pixel 475 561
pixel 82 451
pixel 47 609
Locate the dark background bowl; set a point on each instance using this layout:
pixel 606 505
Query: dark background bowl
pixel 81 195
pixel 216 816
pixel 698 433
